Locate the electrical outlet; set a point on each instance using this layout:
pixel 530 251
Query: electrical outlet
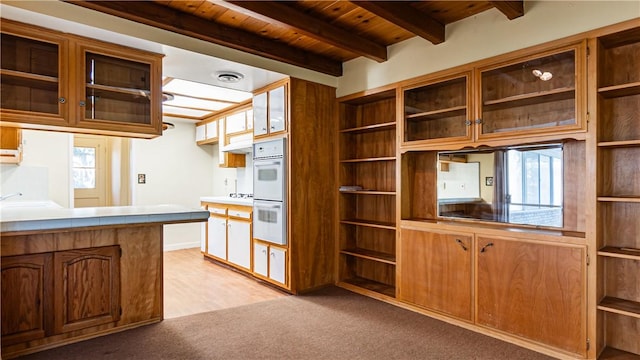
pixel 142 178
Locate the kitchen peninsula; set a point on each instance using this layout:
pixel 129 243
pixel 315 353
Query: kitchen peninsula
pixel 73 274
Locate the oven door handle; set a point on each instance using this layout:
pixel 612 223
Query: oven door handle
pixel 267 206
pixel 266 163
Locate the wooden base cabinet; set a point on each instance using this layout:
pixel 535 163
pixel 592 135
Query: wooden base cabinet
pixel 436 271
pixel 63 291
pixel 27 290
pixel 533 290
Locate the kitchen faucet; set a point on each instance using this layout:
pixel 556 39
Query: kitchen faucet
pixel 5 197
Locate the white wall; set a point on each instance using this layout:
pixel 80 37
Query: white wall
pixel 45 170
pixel 482 36
pixel 177 172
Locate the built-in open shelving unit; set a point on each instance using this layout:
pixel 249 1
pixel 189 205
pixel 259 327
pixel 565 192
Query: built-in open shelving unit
pixel 367 238
pixel 618 193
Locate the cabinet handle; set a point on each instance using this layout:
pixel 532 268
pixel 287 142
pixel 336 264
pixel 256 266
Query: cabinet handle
pixel 82 103
pixel 484 248
pixel 467 122
pixel 264 251
pixel 461 244
pixel 62 100
pixel 264 129
pixel 478 121
pixel 273 254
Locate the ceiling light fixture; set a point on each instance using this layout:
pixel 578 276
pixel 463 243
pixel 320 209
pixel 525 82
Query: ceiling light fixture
pixel 544 76
pixel 229 76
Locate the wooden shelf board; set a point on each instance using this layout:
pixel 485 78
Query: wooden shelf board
pixel 29 76
pixel 610 353
pixel 368 128
pixel 388 290
pixel 121 90
pixel 620 306
pixel 532 98
pixel 371 255
pixel 369 192
pixel 618 252
pixel 632 199
pixel 451 110
pixel 369 223
pixel 620 143
pixel 620 90
pixel 384 158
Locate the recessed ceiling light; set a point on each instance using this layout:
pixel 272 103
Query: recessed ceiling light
pixel 229 76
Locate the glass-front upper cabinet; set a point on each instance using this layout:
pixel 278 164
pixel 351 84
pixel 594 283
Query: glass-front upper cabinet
pixel 533 95
pixel 437 111
pixel 32 75
pixel 118 89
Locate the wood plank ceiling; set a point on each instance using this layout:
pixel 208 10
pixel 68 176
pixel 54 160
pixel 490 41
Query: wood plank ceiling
pixel 317 35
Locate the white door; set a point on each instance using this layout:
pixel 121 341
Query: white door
pixel 260 114
pixel 201 132
pixel 260 262
pixel 217 245
pixel 89 169
pixel 277 264
pixel 239 244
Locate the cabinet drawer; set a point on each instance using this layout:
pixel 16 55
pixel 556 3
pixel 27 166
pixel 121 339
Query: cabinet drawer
pixel 240 214
pixel 218 211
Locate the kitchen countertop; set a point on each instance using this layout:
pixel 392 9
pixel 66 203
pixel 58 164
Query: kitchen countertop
pixel 44 216
pixel 227 200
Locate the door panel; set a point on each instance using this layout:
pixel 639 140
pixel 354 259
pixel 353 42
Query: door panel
pixel 218 237
pixel 88 288
pixel 239 244
pixel 436 271
pixel 533 290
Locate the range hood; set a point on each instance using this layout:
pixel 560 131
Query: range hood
pixel 240 144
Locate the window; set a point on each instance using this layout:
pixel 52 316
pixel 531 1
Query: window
pixel 84 168
pixel 534 186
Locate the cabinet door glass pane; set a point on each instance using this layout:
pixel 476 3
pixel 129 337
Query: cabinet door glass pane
pixel 537 93
pixel 117 89
pixel 260 114
pixel 29 75
pixel 276 109
pixel 436 111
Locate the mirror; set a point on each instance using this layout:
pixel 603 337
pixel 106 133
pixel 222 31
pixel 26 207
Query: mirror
pixel 517 185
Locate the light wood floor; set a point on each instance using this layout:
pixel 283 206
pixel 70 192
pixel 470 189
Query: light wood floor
pixel 194 285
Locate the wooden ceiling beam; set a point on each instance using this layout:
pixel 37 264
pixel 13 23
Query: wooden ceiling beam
pixel 270 11
pixel 156 15
pixel 407 17
pixel 511 9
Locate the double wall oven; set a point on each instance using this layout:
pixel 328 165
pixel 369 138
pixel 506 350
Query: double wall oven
pixel 269 191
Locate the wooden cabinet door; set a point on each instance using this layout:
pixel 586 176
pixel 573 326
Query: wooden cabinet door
pixel 34 75
pixel 87 291
pixel 27 287
pixel 239 243
pixel 119 89
pixel 435 271
pixel 260 114
pixel 217 237
pixel 533 290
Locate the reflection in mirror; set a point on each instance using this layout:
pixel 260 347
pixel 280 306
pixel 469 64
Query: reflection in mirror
pixel 518 185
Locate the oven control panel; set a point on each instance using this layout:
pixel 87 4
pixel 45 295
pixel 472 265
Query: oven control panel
pixel 268 149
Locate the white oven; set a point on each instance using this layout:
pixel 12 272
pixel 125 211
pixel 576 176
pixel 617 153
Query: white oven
pixel 269 170
pixel 269 221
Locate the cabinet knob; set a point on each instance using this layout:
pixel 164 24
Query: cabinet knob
pixel 467 122
pixel 264 251
pixel 82 103
pixel 273 127
pixel 478 121
pixel 264 129
pixel 62 100
pixel 273 254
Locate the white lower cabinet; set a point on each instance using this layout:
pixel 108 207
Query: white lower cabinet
pixel 217 237
pixel 260 259
pixel 277 261
pixel 239 244
pixel 270 262
pixel 203 237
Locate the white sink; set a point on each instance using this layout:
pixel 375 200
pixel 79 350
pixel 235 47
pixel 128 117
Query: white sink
pixel 36 204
